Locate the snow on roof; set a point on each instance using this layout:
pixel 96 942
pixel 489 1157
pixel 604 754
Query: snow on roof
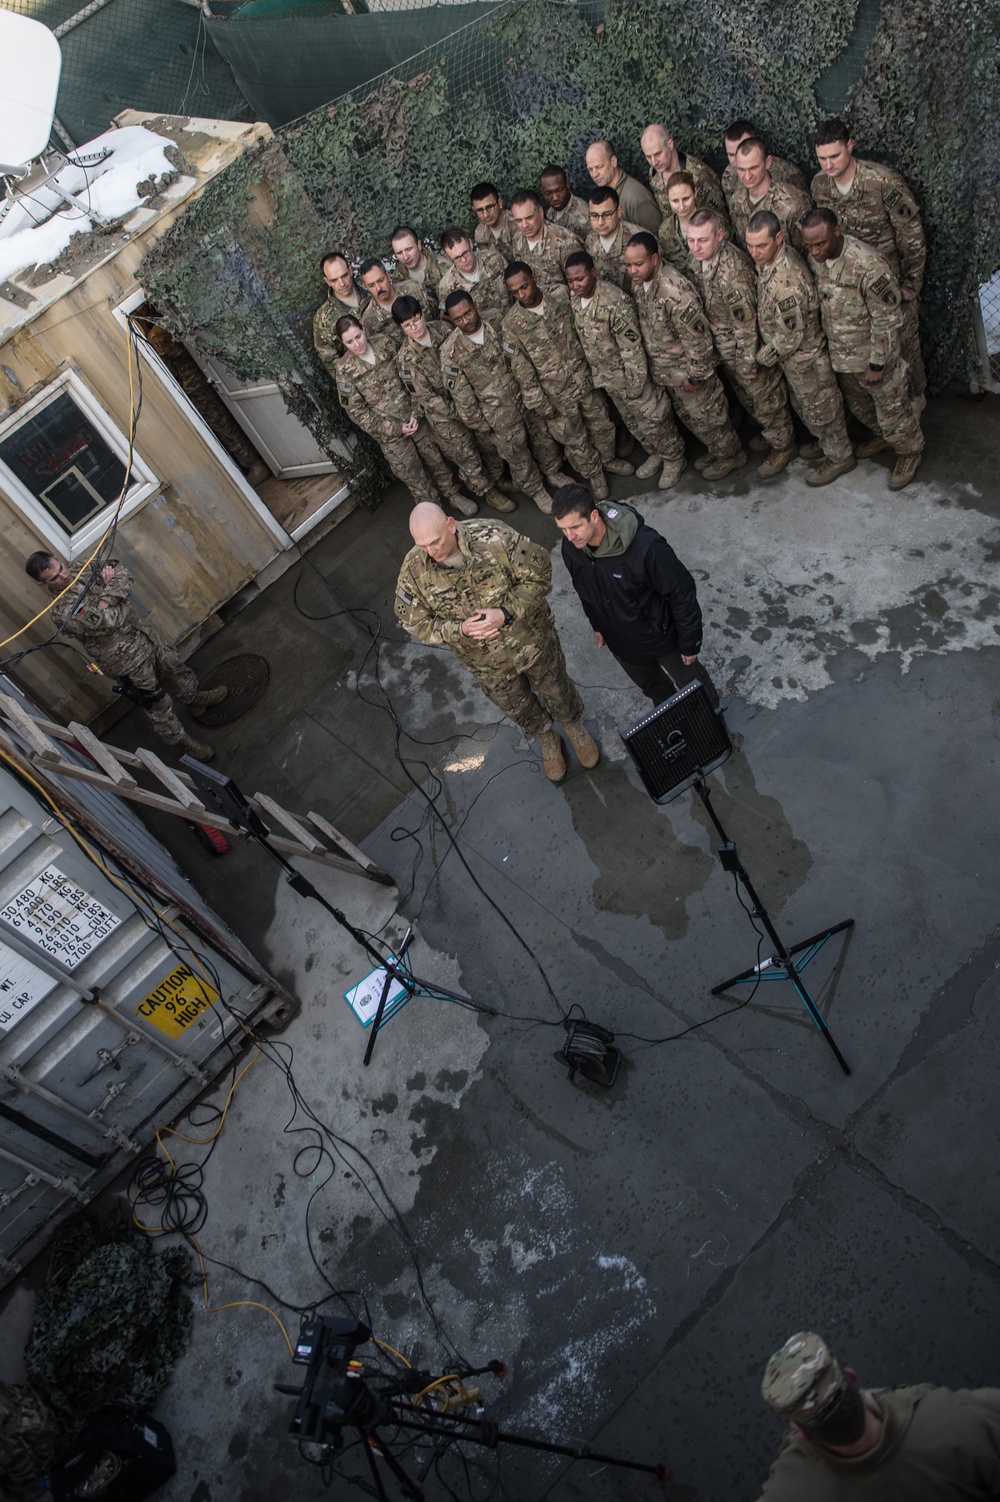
pixel 38 225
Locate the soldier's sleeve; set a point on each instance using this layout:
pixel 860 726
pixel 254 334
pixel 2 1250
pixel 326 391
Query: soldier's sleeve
pixel 416 617
pixel 801 204
pixel 461 391
pixel 625 331
pixel 121 583
pixel 531 566
pixel 691 327
pixel 83 616
pixel 741 293
pixel 327 354
pixel 908 232
pixel 361 414
pixel 884 303
pixel 525 374
pixel 787 337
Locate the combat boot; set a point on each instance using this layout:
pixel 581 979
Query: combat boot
pixel 647 469
pixel 671 472
pixel 462 504
pixel 758 444
pixel 813 450
pixel 701 461
pixel 206 697
pixel 905 468
pixel 587 750
pixel 598 485
pixel 198 749
pixel 618 467
pixel 557 479
pixel 553 760
pixel 498 502
pixel 871 447
pixel 718 469
pixel 542 500
pixel 776 461
pixel 830 470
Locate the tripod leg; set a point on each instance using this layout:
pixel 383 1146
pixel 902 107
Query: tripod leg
pixel 377 1019
pixel 827 933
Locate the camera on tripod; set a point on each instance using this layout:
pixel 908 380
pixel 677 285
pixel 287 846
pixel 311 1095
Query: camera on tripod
pixel 334 1391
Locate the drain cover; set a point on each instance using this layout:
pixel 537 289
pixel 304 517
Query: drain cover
pixel 246 678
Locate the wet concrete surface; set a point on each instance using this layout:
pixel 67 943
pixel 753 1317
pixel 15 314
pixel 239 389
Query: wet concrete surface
pixel 636 1253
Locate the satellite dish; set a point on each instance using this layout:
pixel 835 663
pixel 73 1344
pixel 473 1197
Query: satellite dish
pixel 29 80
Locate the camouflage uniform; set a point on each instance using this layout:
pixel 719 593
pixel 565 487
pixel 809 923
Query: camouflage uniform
pixel 575 217
pixel 29 1436
pixel 679 346
pixel 637 203
pixel 325 320
pixel 379 320
pixel 124 646
pixel 610 264
pixel 792 334
pixel 499 240
pixel 728 285
pixel 375 400
pixel 502 570
pixel 860 305
pixel 879 209
pixel 674 246
pixel 609 332
pixel 707 188
pixel 783 200
pixel 487 399
pixel 781 170
pixel 420 372
pixel 429 296
pixel 549 255
pixel 551 370
pixel 490 291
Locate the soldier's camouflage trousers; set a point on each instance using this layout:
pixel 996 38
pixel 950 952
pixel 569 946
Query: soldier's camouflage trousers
pixel 887 408
pixel 538 695
pixel 909 348
pixel 406 458
pixel 816 397
pixel 547 451
pixel 764 395
pixel 650 418
pixel 586 432
pixel 511 443
pixel 154 666
pixel 706 412
pixel 457 444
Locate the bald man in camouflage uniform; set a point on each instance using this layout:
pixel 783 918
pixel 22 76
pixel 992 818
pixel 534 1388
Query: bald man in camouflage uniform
pixel 861 309
pixel 681 354
pixel 344 295
pixel 608 235
pixel 665 159
pixel 480 589
pixel 487 398
pixel 727 283
pixel 97 611
pixel 792 338
pixel 873 203
pixel 608 327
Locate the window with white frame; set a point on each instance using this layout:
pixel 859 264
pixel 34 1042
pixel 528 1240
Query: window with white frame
pixel 64 464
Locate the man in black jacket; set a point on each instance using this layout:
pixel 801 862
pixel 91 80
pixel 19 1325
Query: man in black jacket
pixel 637 595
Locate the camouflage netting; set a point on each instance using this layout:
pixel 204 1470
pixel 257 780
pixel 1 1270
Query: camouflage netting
pixel 536 81
pixel 110 1321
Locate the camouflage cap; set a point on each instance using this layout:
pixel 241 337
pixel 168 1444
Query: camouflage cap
pixel 803 1380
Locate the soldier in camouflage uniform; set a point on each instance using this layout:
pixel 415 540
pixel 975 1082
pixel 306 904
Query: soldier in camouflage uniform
pixel 551 369
pixel 873 203
pixel 638 204
pixel 861 309
pixel 374 398
pixel 343 295
pixel 542 245
pixel 96 610
pixel 664 160
pixel 479 588
pixel 419 366
pixel 792 338
pixel 415 263
pixel 728 286
pixel 681 354
pixel 781 170
pixel 478 272
pixel 487 398
pixel 758 191
pixel 608 327
pixel 494 226
pixel 682 198
pixel 382 290
pixel 607 237
pixel 561 204
pixel 29 1436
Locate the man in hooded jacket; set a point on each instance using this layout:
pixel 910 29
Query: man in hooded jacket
pixel 641 601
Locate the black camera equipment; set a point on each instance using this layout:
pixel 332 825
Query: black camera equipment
pixel 338 1395
pixel 675 748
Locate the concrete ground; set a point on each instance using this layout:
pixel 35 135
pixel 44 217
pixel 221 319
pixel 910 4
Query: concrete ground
pixel 633 1254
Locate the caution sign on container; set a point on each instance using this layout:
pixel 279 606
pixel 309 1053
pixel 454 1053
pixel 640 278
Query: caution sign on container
pixel 178 1001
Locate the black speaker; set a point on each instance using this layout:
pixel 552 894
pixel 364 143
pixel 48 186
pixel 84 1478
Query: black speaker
pixel 680 742
pixel 122 1457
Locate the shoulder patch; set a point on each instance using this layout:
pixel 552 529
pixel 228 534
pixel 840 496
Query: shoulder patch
pixel 786 303
pixel 344 387
pixel 895 201
pixel 883 288
pixel 734 295
pixel 508 348
pixel 451 370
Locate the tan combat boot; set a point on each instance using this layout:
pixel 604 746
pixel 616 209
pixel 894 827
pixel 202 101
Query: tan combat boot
pixel 813 450
pixel 718 469
pixel 618 467
pixel 553 760
pixel 206 697
pixel 542 500
pixel 198 749
pixel 905 468
pixel 776 461
pixel 829 470
pixel 871 447
pixel 598 485
pixel 671 472
pixel 587 750
pixel 499 502
pixel 647 469
pixel 463 504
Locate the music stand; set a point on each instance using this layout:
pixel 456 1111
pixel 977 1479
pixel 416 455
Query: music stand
pixel 675 748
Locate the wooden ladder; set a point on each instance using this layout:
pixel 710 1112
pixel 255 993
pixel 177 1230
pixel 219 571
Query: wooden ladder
pixel 112 770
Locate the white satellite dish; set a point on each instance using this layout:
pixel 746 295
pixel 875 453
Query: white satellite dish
pixel 29 79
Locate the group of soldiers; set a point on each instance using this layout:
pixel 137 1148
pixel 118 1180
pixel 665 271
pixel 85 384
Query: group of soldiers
pixel 528 342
